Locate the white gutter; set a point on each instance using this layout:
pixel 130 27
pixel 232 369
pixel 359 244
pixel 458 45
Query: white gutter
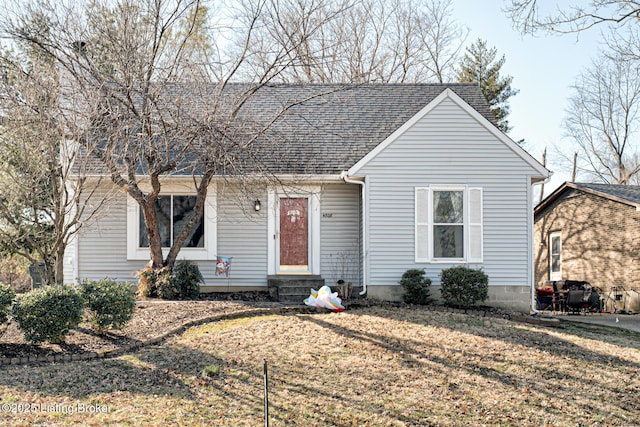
pixel 348 180
pixel 533 308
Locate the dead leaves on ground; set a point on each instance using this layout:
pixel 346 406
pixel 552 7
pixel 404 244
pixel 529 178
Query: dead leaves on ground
pixel 374 366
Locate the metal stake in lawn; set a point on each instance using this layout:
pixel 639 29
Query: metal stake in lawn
pixel 266 394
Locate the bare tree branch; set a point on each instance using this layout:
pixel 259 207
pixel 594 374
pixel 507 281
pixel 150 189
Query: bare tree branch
pixel 602 121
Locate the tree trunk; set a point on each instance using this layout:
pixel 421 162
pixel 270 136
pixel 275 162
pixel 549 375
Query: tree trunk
pixel 48 276
pixel 151 222
pixel 59 266
pixel 192 222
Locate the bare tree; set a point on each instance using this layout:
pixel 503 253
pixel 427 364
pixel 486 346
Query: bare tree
pixel 45 197
pixel 603 119
pixel 362 41
pixel 530 16
pixel 136 72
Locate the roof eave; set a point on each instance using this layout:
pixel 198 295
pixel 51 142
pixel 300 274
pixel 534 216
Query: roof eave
pixel 553 196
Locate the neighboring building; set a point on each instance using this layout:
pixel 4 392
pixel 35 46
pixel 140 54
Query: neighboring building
pixel 591 232
pixel 374 180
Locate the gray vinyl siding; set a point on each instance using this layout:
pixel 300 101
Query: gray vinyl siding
pixel 241 234
pixel 448 146
pixel 102 244
pixel 69 260
pixel 340 233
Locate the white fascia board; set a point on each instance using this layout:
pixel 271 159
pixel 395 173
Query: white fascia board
pixel 307 179
pixel 450 94
pixel 297 178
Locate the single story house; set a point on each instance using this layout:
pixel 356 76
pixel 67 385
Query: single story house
pixel 591 232
pixel 372 181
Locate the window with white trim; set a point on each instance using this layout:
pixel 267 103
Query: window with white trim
pixel 171 211
pixel 448 224
pixel 555 255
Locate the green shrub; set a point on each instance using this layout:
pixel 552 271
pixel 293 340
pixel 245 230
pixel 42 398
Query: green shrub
pixel 48 313
pixel 463 287
pixel 416 287
pixel 165 285
pixel 180 283
pixel 187 278
pixel 7 295
pixel 110 305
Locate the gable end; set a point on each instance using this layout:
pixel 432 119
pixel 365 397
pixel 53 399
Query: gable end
pixel 543 173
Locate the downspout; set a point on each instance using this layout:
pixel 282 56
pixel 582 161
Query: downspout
pixel 532 248
pixel 348 180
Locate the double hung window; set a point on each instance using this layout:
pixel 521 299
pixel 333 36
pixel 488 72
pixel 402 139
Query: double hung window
pixel 448 224
pixel 555 255
pixel 172 211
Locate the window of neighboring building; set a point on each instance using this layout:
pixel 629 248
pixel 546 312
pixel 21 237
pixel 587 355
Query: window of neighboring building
pixel 555 255
pixel 448 224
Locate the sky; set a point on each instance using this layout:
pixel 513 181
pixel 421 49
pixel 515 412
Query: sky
pixel 543 69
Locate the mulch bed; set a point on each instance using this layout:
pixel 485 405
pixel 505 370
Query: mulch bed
pixel 152 319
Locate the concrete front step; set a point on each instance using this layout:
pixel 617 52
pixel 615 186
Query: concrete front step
pixel 293 299
pixel 293 288
pixel 296 290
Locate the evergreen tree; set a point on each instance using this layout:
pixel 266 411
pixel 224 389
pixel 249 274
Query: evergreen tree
pixel 479 65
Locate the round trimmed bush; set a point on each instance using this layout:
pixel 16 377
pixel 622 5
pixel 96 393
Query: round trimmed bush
pixel 463 287
pixel 181 282
pixel 109 304
pixel 416 287
pixel 187 278
pixel 48 313
pixel 7 295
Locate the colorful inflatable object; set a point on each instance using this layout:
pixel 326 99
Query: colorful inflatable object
pixel 325 298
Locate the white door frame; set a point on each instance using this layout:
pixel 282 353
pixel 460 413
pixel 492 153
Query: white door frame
pixel 273 228
pixel 555 275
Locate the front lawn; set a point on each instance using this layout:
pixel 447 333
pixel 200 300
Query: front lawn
pixel 378 366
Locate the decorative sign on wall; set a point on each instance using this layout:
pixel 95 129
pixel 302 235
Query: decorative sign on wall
pixel 294 214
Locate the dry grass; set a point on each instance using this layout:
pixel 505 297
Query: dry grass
pixel 375 366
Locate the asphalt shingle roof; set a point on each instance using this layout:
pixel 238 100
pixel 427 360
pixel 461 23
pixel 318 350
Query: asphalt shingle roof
pixel 331 133
pixel 326 128
pixel 630 193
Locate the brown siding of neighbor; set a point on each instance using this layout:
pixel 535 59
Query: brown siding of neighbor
pixel 600 241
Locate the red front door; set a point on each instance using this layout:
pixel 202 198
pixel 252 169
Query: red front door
pixel 294 234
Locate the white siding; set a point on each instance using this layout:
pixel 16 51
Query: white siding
pixel 448 146
pixel 340 231
pixel 102 245
pixel 69 261
pixel 242 234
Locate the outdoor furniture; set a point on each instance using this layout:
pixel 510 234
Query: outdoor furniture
pixel 572 296
pixel 551 296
